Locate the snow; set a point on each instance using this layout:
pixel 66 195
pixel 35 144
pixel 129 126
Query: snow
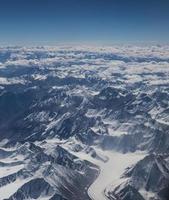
pixel 10 81
pixel 43 198
pixel 54 123
pixel 95 129
pixel 93 113
pixel 5 171
pixel 111 171
pixel 12 159
pixel 3 142
pixel 3 81
pixel 113 132
pixel 8 149
pixel 39 77
pixel 8 190
pixel 162 121
pixel 146 194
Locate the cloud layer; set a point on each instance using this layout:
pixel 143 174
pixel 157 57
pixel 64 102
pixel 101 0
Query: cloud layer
pixel 125 64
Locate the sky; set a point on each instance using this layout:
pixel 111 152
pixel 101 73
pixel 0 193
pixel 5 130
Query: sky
pixel 83 21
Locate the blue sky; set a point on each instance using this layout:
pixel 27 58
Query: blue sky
pixel 83 21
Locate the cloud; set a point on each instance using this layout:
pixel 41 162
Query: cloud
pixel 127 64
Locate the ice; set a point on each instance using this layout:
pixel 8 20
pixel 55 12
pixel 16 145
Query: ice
pixel 111 171
pixel 8 190
pixel 117 133
pixel 148 195
pixel 5 171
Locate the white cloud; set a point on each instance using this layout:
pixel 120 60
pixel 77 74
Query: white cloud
pixel 129 64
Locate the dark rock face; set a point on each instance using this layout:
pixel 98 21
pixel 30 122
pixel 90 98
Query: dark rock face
pixel 33 189
pixel 150 174
pixel 126 193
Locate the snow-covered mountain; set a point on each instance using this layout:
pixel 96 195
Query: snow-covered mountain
pixel 80 123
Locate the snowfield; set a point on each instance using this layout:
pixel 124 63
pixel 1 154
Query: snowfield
pixel 6 171
pixel 10 189
pixel 111 171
